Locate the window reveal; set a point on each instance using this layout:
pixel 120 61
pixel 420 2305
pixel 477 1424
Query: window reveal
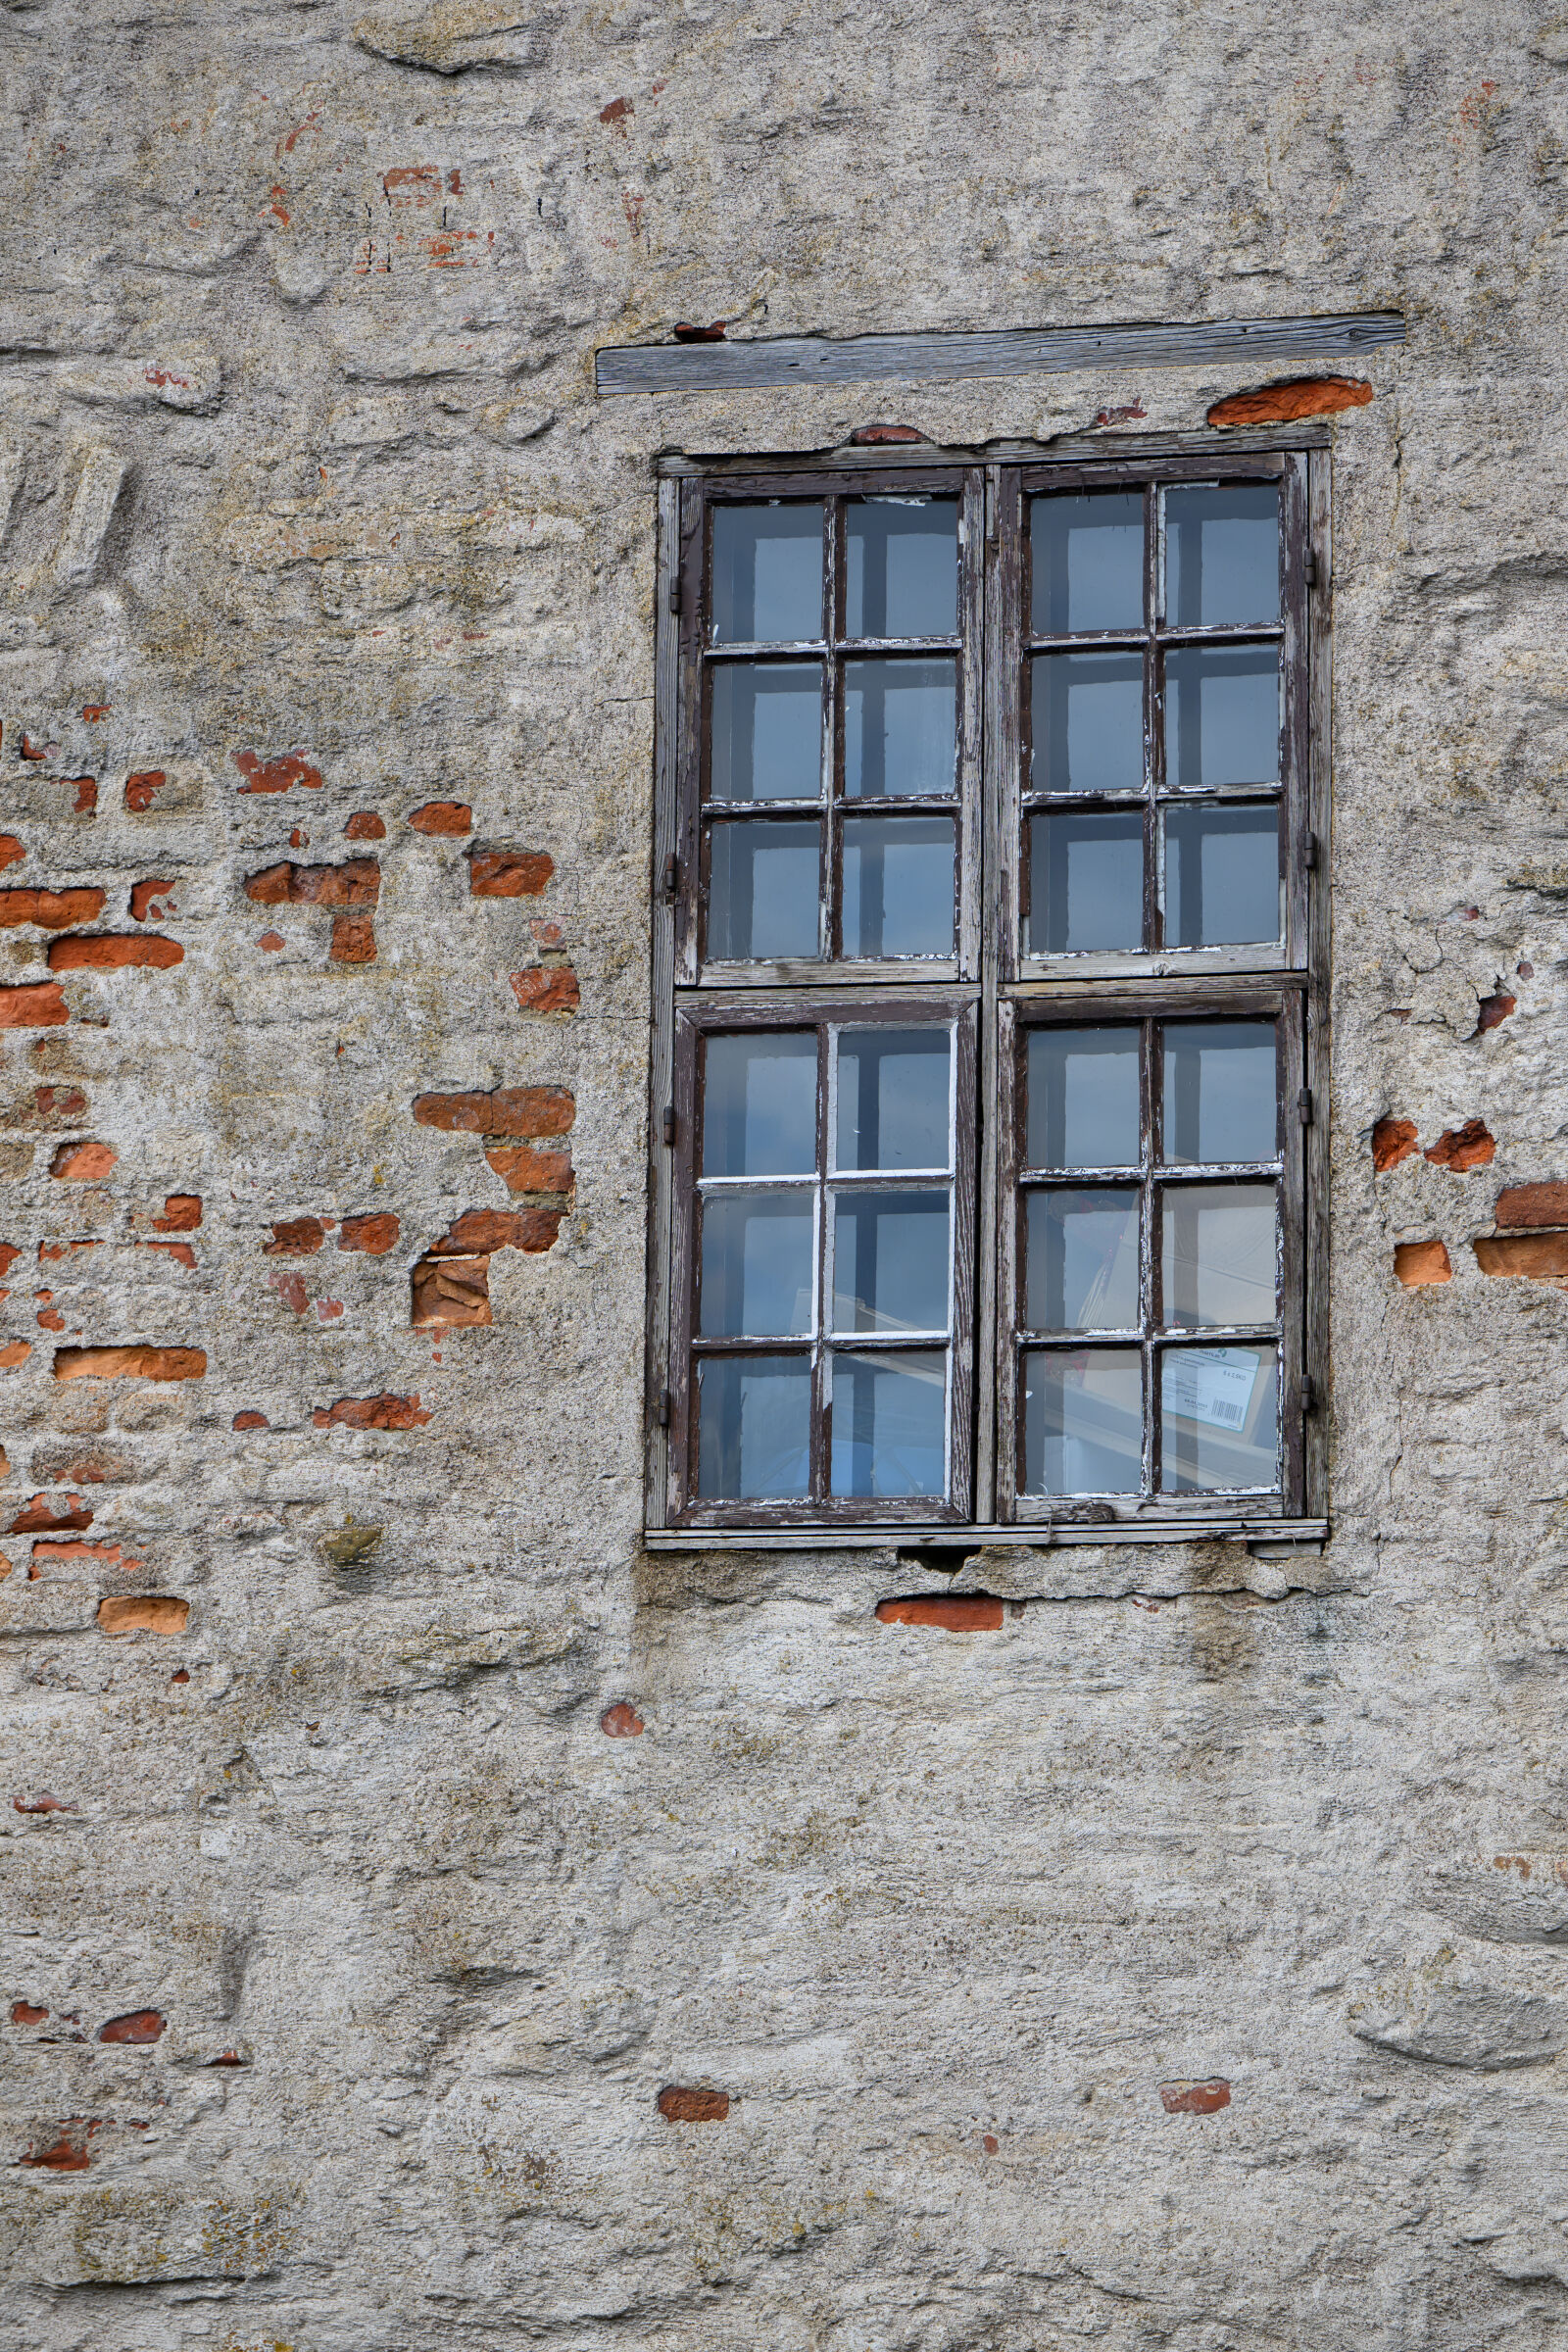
pixel 1106 893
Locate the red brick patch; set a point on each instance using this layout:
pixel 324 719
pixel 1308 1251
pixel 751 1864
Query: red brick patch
pixel 279 774
pixel 1392 1140
pixel 1418 1263
pixel 374 1234
pixel 1533 1204
pixel 50 909
pixel 952 1612
pixel 447 818
pixel 35 1006
pixel 130 1363
pixel 546 988
pixel 1194 2098
pixel 1462 1147
pixel 522 1110
pixel 114 951
pixel 1282 404
pixel 1534 1256
pixel 141 788
pixel 136 2028
pixel 509 873
pixel 372 1412
pixel 621 1722
pixel 681 2104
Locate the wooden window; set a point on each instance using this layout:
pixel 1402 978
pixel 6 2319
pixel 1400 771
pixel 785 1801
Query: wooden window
pixel 989 996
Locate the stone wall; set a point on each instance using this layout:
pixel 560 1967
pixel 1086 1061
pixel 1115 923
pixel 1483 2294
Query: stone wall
pixel 1174 1956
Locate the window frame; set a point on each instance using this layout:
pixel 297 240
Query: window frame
pixel 995 982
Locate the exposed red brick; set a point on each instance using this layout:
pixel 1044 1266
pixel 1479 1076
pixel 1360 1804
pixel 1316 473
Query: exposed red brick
pixel 1461 1147
pixel 140 788
pixel 35 750
pixel 327 1310
pixel 57 1551
pixel 269 942
pixel 872 436
pixel 82 1466
pixel 182 1214
pixel 682 2103
pixel 44 1802
pixel 86 790
pixel 1194 2098
pixel 546 988
pixel 143 1613
pixel 144 902
pixel 365 825
pixel 357 882
pixel 509 873
pixel 952 1612
pixel 50 909
pixel 67 2153
pixel 1392 1140
pixel 1516 1204
pixel 58 1102
pixel 137 2026
pixel 1494 1010
pixel 374 1233
pixel 83 1163
pixel 990 2143
pixel 524 1110
pixel 279 774
pixel 130 1363
pixel 296 1236
pixel 478 1231
pixel 451 1291
pixel 353 939
pixel 1282 404
pixel 48 1514
pixel 446 818
pixel 114 951
pixel 1537 1256
pixel 13 1354
pixel 36 1004
pixel 299 839
pixel 10 850
pixel 621 1722
pixel 180 1251
pixel 93 712
pixel 372 1412
pixel 9 1254
pixel 525 1170
pixel 1125 414
pixel 251 1420
pixel 546 932
pixel 24 2013
pixel 1418 1263
pixel 616 113
pixel 686 330
pixel 50 1320
pixel 183 1675
pixel 291 1288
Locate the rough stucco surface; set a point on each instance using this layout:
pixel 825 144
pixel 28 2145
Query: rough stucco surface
pixel 299 455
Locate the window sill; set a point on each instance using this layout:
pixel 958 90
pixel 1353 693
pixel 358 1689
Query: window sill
pixel 1267 1537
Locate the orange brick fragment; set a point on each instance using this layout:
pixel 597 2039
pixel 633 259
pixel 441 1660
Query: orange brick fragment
pixel 524 1110
pixel 483 1230
pixel 296 1236
pixel 1461 1147
pixel 445 817
pixel 14 1353
pixel 140 788
pixel 952 1612
pixel 682 2103
pixel 130 1363
pixel 374 1234
pixel 372 1412
pixel 1282 404
pixel 1534 1257
pixel 37 1005
pixel 143 1613
pixel 50 909
pixel 546 988
pixel 353 939
pixel 10 850
pixel 452 1290
pixel 182 1214
pixel 1516 1204
pixel 114 951
pixel 365 825
pixel 145 897
pixel 279 774
pixel 1418 1263
pixel 84 1163
pixel 1194 2098
pixel 524 1169
pixel 509 873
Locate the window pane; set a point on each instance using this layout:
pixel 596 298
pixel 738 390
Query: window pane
pixel 1222 716
pixel 890 1261
pixel 890 1424
pixel 753 1428
pixel 760 1105
pixel 1219 1418
pixel 1081 1261
pixel 1086 882
pixel 767 733
pixel 898 886
pixel 1083 1098
pixel 1087 722
pixel 900 572
pixel 900 728
pixel 1088 563
pixel 1222 554
pixel 768 573
pixel 1218 1255
pixel 1083 1422
pixel 1222 876
pixel 1219 1092
pixel 763 884
pixel 892 1098
pixel 756 1265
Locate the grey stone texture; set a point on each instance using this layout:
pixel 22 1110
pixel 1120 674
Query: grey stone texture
pixel 300 455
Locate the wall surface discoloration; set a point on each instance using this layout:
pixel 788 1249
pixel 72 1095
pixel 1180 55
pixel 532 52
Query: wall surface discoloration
pixel 549 1942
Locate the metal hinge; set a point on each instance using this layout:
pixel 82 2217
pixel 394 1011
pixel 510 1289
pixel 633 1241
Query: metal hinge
pixel 1309 569
pixel 1309 852
pixel 1303 1106
pixel 1308 1393
pixel 670 1122
pixel 669 877
pixel 661 1409
pixel 674 591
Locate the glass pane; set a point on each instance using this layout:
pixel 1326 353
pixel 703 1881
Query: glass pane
pixel 1222 716
pixel 1087 722
pixel 768 573
pixel 892 1098
pixel 1083 1422
pixel 901 722
pixel 767 733
pixel 756 1265
pixel 1222 554
pixel 1086 882
pixel 890 1424
pixel 898 885
pixel 1088 561
pixel 764 881
pixel 1217 1254
pixel 900 572
pixel 890 1261
pixel 1081 1261
pixel 1219 1092
pixel 753 1428
pixel 760 1105
pixel 1222 876
pixel 1219 1418
pixel 1083 1098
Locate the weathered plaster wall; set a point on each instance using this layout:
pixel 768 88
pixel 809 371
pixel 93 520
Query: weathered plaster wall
pixel 308 512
